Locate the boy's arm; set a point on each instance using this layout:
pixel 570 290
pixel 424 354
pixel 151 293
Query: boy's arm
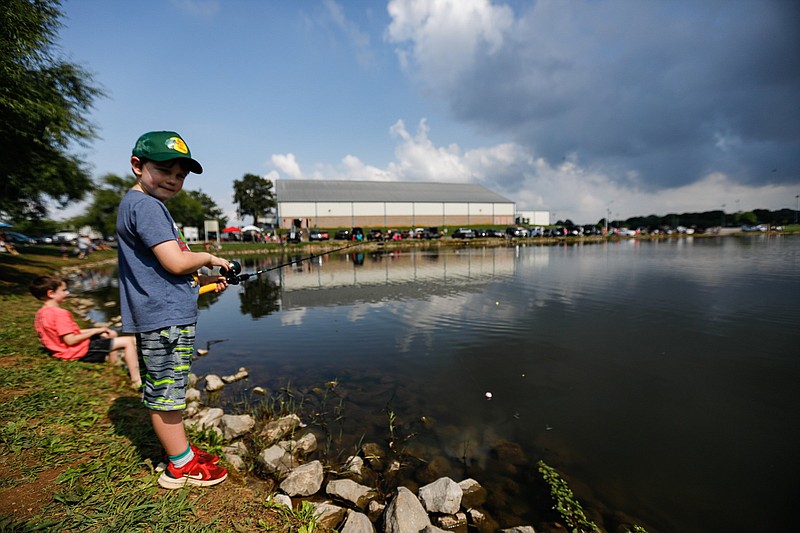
pixel 71 339
pixel 176 261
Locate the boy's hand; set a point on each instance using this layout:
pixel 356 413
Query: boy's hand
pixel 215 261
pixel 220 281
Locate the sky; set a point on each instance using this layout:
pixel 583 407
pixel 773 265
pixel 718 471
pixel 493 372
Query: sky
pixel 582 108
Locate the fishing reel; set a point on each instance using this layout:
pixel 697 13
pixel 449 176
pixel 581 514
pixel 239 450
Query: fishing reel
pixel 233 274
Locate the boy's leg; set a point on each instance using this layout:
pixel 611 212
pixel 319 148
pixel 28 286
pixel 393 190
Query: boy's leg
pixel 167 356
pixel 168 426
pixel 129 355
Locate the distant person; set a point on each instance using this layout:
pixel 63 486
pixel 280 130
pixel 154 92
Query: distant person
pixel 158 295
pixel 8 245
pixel 60 334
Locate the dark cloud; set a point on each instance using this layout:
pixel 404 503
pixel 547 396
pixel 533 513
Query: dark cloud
pixel 668 90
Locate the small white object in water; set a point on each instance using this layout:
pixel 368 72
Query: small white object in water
pixel 488 395
pixel 497 303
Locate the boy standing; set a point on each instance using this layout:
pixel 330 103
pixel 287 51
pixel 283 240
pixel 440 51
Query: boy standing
pixel 59 333
pixel 158 295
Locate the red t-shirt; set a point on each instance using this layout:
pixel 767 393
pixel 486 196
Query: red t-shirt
pixel 51 324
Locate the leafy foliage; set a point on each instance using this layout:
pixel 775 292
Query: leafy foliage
pixel 189 208
pixel 44 104
pixel 565 502
pixel 254 196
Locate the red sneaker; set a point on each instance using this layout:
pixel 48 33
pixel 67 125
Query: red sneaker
pixel 195 472
pixel 205 457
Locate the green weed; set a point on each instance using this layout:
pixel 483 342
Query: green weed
pixel 565 502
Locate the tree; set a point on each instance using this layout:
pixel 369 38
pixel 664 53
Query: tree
pixel 192 208
pixel 101 215
pixel 254 196
pixel 44 105
pixel 188 208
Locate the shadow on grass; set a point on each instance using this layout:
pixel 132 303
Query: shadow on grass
pixel 131 419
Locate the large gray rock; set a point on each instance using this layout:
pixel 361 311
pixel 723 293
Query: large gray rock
pixel 473 494
pixel 280 499
pixel 329 515
pixel 357 523
pixel 234 426
pixel 405 514
pixel 277 429
pixel 276 460
pixel 441 496
pixel 192 395
pixel 349 491
pixel 207 418
pixel 306 444
pixel 432 529
pixel 214 383
pixel 304 480
pixel 519 529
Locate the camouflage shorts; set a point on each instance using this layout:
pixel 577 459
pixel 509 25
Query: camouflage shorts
pixel 165 358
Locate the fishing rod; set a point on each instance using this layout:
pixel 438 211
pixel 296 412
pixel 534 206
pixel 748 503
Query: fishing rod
pixel 234 275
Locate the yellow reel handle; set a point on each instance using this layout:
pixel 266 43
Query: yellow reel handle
pixel 208 288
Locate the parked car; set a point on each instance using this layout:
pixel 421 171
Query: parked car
pixel 318 235
pixel 590 230
pixel 516 231
pixel 481 233
pixel 44 239
pixel 427 233
pixel 342 235
pixel 463 233
pixel 375 235
pixel 496 233
pixel 19 238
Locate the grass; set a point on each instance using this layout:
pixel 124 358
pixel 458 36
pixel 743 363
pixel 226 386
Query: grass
pixel 76 446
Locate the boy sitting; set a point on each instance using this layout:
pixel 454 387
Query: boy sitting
pixel 60 334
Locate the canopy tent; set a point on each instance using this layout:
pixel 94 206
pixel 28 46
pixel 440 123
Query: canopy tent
pixel 231 229
pixel 251 228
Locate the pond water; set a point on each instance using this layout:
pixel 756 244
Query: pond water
pixel 661 377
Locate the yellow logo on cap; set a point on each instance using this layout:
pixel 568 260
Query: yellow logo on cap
pixel 177 144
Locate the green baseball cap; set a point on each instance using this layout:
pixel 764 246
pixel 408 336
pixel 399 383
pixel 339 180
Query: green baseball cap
pixel 163 146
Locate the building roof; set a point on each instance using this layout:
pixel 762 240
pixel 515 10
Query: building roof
pixel 383 191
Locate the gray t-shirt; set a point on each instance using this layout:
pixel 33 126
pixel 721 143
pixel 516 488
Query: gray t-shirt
pixel 150 297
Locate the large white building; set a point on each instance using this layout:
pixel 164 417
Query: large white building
pixel 342 204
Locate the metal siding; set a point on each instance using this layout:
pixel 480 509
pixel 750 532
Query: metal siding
pixel 399 208
pixel 370 191
pixel 368 209
pixel 453 209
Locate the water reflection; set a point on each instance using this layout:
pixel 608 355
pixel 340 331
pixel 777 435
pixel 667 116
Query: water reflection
pixel 661 374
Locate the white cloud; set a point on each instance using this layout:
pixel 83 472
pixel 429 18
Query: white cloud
pixel 287 163
pixel 443 36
